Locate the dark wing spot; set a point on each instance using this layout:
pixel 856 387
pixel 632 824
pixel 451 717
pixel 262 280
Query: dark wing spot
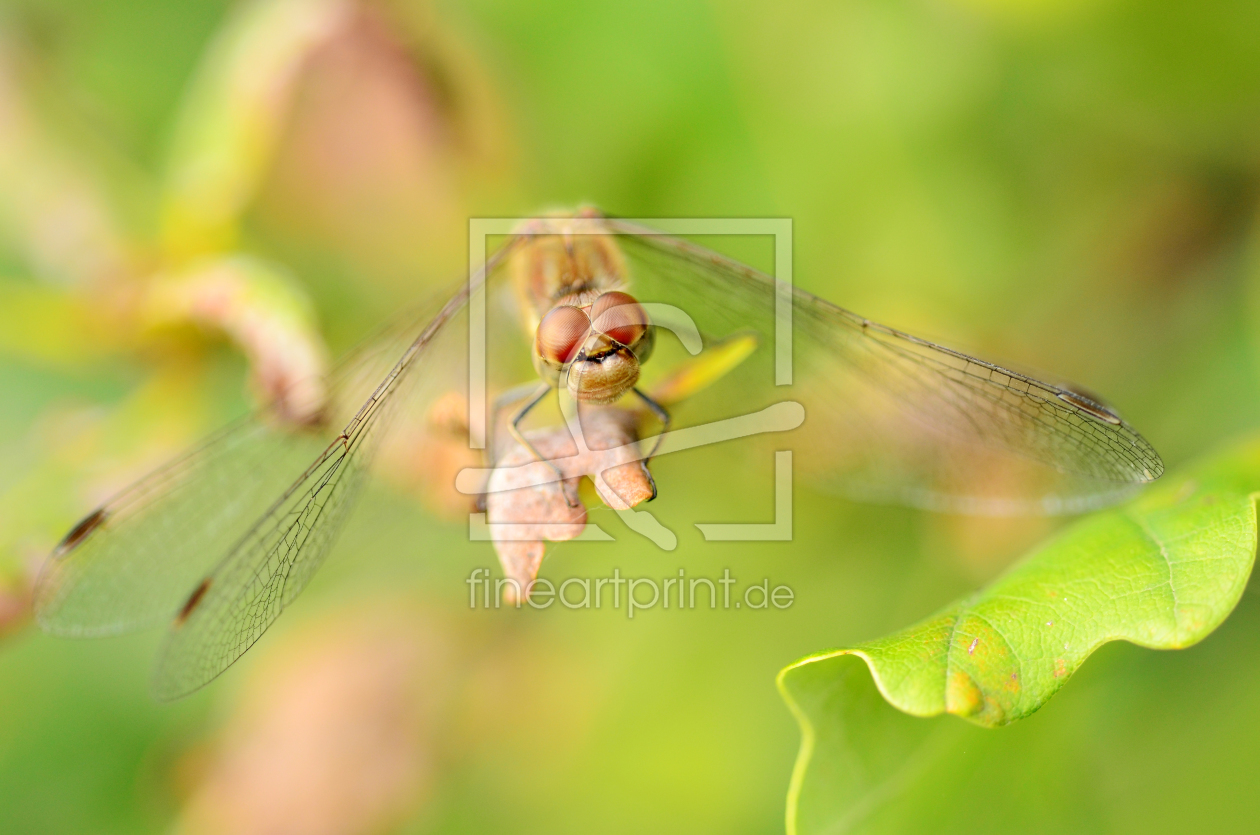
pixel 81 532
pixel 194 600
pixel 1090 407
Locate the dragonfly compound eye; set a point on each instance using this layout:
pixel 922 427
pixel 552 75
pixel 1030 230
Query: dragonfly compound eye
pixel 561 334
pixel 620 317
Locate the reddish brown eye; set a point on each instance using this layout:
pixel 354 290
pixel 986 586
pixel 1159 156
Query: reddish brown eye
pixel 561 333
pixel 619 316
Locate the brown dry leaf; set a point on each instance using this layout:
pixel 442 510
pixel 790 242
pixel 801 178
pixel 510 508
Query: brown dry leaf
pixel 261 308
pixel 393 120
pixel 523 517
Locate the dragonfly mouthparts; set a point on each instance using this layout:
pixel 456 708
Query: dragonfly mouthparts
pixel 599 356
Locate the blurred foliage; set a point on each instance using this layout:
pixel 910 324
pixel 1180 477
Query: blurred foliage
pixel 1070 184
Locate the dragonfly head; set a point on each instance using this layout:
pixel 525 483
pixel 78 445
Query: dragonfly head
pixel 594 350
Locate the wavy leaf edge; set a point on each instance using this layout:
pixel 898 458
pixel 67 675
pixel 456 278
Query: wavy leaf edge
pixel 969 700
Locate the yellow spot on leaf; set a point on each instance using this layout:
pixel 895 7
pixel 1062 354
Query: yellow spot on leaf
pixel 962 695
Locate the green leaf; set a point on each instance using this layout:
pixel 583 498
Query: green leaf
pixel 1162 571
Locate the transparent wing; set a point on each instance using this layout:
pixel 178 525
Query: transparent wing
pixel 135 560
pixel 891 417
pixel 271 564
pixel 222 539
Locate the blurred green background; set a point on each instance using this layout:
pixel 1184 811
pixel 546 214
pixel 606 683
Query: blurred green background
pixel 1067 184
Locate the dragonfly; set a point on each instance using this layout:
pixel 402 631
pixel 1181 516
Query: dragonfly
pixel 217 543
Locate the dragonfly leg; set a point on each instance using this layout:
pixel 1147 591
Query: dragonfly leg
pixel 662 414
pixel 514 429
pixel 507 398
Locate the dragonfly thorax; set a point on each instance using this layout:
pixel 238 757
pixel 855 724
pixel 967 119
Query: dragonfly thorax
pixel 558 258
